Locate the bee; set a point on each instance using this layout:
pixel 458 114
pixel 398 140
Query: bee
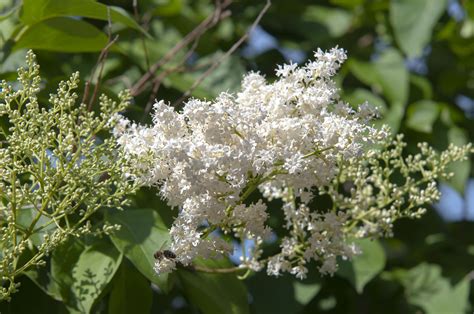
pixel 160 254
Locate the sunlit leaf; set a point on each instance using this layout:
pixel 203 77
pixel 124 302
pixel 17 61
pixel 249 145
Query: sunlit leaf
pixel 364 267
pixel 422 115
pixel 413 22
pixel 62 34
pixel 35 11
pixel 169 8
pixel 82 273
pixel 93 271
pixel 389 76
pixel 460 169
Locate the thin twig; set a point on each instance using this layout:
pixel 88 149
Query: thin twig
pixel 215 270
pixel 99 77
pixel 142 36
pixel 224 56
pixel 158 80
pixel 100 63
pixel 209 22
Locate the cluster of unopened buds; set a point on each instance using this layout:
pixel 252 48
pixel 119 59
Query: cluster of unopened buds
pixel 292 140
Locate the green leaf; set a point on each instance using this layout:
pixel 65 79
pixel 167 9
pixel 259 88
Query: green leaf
pixel 43 279
pixel 389 76
pixel 93 271
pixel 9 13
pixel 361 95
pixel 336 21
pixel 413 22
pixel 215 293
pixel 31 300
pixel 226 77
pixel 27 215
pixel 82 273
pixel 422 115
pixel 425 287
pixel 63 260
pixel 296 293
pixel 363 267
pixel 35 11
pixel 461 169
pixel 142 233
pixel 305 292
pixel 169 8
pixel 131 292
pixel 62 34
pixel 423 85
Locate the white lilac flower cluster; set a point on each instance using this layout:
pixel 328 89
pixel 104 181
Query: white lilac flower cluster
pixel 288 139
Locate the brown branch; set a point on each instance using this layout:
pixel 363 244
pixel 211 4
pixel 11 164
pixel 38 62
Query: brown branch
pixel 99 77
pixel 209 22
pixel 100 63
pixel 226 55
pixel 142 36
pixel 158 80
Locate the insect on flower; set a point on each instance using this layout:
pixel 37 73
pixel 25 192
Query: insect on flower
pixel 159 255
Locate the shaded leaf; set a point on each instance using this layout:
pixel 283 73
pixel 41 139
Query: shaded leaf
pixel 63 260
pixel 215 293
pixel 41 276
pixel 131 292
pixel 31 300
pixel 305 292
pixel 423 85
pixel 296 293
pixel 425 287
pixel 142 233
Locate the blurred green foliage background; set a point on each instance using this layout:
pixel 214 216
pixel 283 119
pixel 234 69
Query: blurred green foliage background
pixel 413 59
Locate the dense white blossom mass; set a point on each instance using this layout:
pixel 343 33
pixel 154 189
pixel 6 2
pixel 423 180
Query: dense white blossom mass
pixel 287 139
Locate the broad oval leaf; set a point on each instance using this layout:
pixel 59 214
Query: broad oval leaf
pixel 422 115
pixel 142 232
pixel 35 11
pixel 131 292
pixel 215 293
pixel 426 287
pixel 93 271
pixel 28 218
pixel 62 34
pixel 389 76
pixel 460 169
pixel 364 267
pixel 82 273
pixel 296 293
pixel 413 22
pixel 63 260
